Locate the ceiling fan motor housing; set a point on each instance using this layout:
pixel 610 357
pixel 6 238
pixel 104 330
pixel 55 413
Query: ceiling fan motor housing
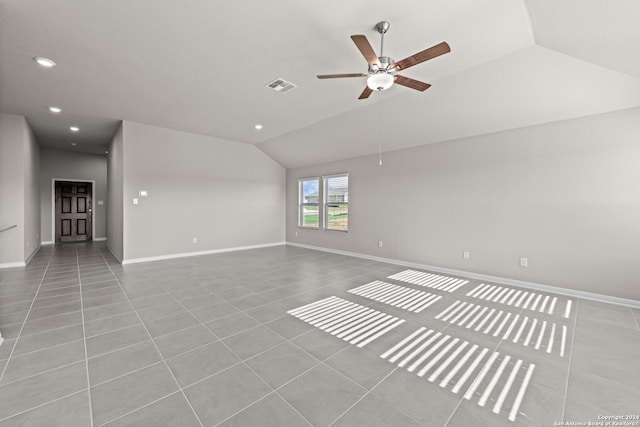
pixel 384 64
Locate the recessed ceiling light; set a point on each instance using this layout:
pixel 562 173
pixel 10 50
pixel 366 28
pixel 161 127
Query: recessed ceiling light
pixel 55 110
pixel 258 127
pixel 73 144
pixel 45 62
pixel 74 128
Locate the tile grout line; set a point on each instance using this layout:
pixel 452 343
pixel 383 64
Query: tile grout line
pixel 320 362
pixel 84 336
pixel 368 392
pixel 142 407
pixel 241 361
pixel 154 342
pixel 244 362
pixel 42 404
pixel 120 314
pixel 56 296
pixel 24 322
pixel 53 329
pixel 142 368
pixel 273 390
pixel 462 399
pixel 154 363
pixel 252 357
pixel 16 303
pixel 49 347
pixel 46 371
pixel 573 337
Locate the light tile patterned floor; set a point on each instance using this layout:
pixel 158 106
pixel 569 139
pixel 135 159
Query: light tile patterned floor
pixel 245 339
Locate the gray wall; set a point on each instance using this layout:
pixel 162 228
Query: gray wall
pixel 11 188
pixel 565 195
pixel 115 177
pixel 19 199
pixel 32 222
pixel 69 165
pixel 227 194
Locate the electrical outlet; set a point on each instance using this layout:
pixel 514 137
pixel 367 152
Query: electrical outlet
pixel 195 240
pixel 524 262
pixel 379 243
pixel 465 254
pixel 296 234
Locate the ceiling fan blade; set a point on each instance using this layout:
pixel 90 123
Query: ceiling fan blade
pixel 365 48
pixel 337 76
pixel 432 52
pixel 365 93
pixel 411 83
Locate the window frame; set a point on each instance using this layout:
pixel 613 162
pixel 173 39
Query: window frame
pixel 326 202
pixel 302 204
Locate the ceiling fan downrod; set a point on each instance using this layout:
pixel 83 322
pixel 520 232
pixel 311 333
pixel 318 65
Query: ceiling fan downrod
pixel 382 27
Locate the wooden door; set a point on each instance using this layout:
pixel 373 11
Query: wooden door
pixel 73 211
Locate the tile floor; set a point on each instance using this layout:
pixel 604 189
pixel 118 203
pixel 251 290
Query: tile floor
pixel 273 337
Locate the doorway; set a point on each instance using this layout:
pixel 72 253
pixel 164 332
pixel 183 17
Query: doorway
pixel 73 211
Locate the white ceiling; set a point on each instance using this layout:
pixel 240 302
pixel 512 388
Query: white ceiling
pixel 202 66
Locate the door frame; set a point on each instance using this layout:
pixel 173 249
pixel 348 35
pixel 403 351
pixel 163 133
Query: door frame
pixel 53 205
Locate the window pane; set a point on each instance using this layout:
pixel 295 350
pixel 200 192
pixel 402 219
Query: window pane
pixel 310 216
pixel 310 193
pixel 338 189
pixel 337 216
pixel 336 201
pixel 309 203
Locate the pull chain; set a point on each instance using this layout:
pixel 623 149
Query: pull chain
pixel 380 135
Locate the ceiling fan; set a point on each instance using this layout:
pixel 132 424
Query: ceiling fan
pixel 382 69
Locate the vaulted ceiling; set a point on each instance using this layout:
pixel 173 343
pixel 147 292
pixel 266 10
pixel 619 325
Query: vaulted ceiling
pixel 201 66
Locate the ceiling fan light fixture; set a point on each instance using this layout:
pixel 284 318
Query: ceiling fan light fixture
pixel 380 81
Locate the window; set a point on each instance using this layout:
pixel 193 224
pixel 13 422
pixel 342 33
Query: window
pixel 336 202
pixel 309 203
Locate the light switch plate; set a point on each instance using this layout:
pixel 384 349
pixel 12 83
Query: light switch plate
pixel 135 201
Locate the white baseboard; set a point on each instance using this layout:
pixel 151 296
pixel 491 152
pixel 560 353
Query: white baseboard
pixel 95 239
pixel 20 264
pixel 28 260
pixel 190 254
pixel 12 265
pixel 116 256
pixel 496 279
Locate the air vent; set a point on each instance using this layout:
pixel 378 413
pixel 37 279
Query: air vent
pixel 281 85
